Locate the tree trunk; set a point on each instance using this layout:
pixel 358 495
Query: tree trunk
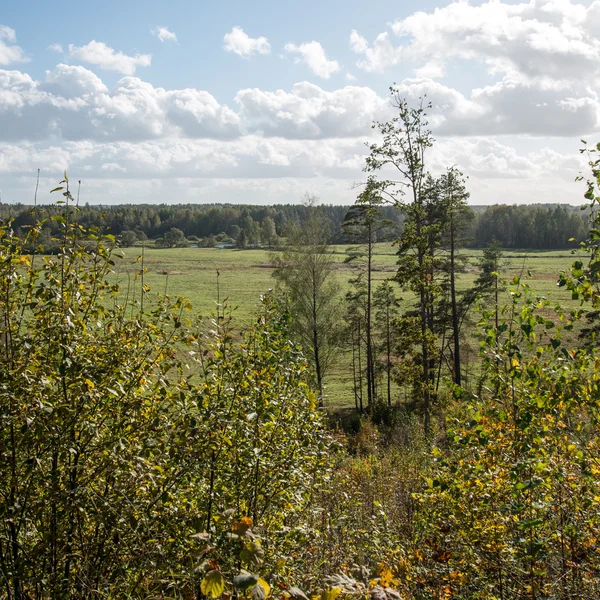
pixel 354 378
pixel 389 358
pixel 316 344
pixel 360 383
pixel 455 324
pixel 369 341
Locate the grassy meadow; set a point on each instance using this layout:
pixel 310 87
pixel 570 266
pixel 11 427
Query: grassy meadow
pixel 244 275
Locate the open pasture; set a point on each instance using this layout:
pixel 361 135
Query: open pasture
pixel 244 275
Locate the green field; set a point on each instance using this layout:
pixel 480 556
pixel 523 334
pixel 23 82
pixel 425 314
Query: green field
pixel 244 275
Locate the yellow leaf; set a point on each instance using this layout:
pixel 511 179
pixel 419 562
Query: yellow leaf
pixel 386 577
pixel 265 586
pixel 331 594
pixel 213 584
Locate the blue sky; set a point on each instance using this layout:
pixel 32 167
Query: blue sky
pixel 262 101
pixel 198 60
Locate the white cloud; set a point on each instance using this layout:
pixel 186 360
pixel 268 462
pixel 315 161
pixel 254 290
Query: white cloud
pixel 71 81
pixel 163 34
pixel 358 43
pixel 73 103
pixel 9 51
pixel 432 69
pixel 538 40
pixel 313 55
pixel 350 77
pixel 253 169
pixel 8 34
pixel 508 107
pixel 139 135
pixel 56 48
pixel 311 112
pixel 98 53
pixel 238 42
pixel 251 156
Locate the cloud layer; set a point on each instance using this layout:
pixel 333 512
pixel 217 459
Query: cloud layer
pixel 71 119
pixel 73 103
pixel 536 64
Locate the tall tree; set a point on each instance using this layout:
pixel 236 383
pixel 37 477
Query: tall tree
pixel 363 225
pixel 304 270
pixel 386 304
pixel 405 140
pixel 457 216
pixel 355 335
pixel 268 235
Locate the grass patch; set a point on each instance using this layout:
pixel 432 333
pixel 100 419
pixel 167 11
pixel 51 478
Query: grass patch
pixel 245 275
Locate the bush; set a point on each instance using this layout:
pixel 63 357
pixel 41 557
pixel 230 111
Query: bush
pixel 112 452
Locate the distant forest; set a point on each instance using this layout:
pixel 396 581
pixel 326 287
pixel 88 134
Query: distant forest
pixel 538 227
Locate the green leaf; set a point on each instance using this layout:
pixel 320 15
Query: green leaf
pixel 252 553
pixel 57 189
pixel 243 581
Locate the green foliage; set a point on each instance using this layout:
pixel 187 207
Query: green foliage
pixel 304 272
pixel 174 238
pixel 531 226
pixel 112 452
pixel 127 239
pixel 584 279
pixel 511 509
pixel 268 234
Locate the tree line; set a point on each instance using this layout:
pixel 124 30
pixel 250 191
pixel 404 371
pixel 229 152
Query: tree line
pixel 533 226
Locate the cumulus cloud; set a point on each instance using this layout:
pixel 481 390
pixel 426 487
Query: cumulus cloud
pixel 98 53
pixel 73 103
pixel 508 107
pixel 240 43
pixel 313 55
pixel 251 156
pixel 71 81
pixel 56 48
pixel 9 51
pixel 133 130
pixel 163 34
pixel 358 43
pixel 538 40
pixel 308 111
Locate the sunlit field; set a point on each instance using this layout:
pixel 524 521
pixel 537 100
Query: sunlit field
pixel 239 277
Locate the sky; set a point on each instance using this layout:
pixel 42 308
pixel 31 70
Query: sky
pixel 261 102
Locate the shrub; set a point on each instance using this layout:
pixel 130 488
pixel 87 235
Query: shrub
pixel 113 452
